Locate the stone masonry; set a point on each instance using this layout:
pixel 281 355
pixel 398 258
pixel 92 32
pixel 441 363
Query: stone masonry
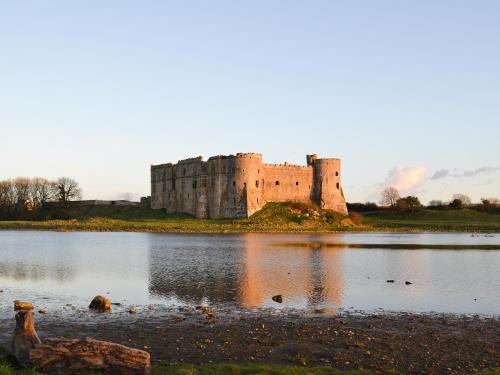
pixel 240 185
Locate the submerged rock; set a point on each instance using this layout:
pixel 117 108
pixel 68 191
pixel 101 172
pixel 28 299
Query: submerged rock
pixel 278 298
pixel 100 303
pixel 132 310
pixel 408 282
pixel 390 281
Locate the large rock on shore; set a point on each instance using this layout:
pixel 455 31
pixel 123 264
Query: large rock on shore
pixel 100 303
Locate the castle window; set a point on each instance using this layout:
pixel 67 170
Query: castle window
pixel 256 183
pixel 164 186
pixel 336 173
pixel 188 195
pixel 234 183
pixel 338 186
pixel 277 183
pixel 195 183
pixel 296 183
pixel 184 171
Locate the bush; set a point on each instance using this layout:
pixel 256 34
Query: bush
pixel 456 204
pixel 356 218
pixel 58 215
pixel 304 208
pixel 330 216
pixel 409 203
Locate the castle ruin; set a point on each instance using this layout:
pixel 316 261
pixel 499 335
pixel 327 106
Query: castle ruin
pixel 240 185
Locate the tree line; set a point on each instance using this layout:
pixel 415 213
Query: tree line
pixel 391 199
pixel 23 193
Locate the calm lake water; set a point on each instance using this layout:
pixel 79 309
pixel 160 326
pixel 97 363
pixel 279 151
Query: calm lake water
pixel 246 270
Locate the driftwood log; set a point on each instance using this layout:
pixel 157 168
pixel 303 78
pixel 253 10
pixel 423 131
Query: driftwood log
pixel 72 355
pixel 22 305
pixel 25 336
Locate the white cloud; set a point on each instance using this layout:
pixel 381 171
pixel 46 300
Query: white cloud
pixel 405 179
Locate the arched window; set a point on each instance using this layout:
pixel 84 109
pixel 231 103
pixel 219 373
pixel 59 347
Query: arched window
pixel 277 183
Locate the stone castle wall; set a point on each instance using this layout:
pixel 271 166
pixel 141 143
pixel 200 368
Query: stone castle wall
pixel 239 185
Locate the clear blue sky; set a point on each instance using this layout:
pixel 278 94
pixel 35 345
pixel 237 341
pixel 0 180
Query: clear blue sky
pixel 400 90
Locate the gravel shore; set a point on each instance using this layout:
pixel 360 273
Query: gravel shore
pixel 384 342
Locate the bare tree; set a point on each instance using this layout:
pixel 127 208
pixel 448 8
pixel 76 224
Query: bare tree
pixel 390 196
pixel 66 189
pixel 465 199
pixel 7 196
pixel 22 187
pixel 42 190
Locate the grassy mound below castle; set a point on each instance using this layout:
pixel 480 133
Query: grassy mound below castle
pixel 274 217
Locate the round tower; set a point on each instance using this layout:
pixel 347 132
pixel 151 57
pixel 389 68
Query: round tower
pixel 327 188
pixel 247 180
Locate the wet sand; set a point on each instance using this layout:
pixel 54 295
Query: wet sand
pixel 400 342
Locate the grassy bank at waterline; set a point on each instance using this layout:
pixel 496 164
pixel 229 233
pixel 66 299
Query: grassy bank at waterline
pixel 275 217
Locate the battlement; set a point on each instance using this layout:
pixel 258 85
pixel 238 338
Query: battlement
pixel 160 166
pixel 286 165
pixel 249 155
pixel 191 160
pixel 219 157
pixel 327 159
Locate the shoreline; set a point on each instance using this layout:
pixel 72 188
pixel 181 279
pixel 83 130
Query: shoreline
pixel 92 229
pixel 401 342
pixel 273 218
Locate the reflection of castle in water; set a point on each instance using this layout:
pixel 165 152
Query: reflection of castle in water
pixel 248 269
pixel 308 277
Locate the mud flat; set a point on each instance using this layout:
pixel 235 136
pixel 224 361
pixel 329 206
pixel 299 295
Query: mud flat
pixel 400 342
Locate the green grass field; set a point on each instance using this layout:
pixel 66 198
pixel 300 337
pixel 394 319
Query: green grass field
pixel 275 217
pixel 436 220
